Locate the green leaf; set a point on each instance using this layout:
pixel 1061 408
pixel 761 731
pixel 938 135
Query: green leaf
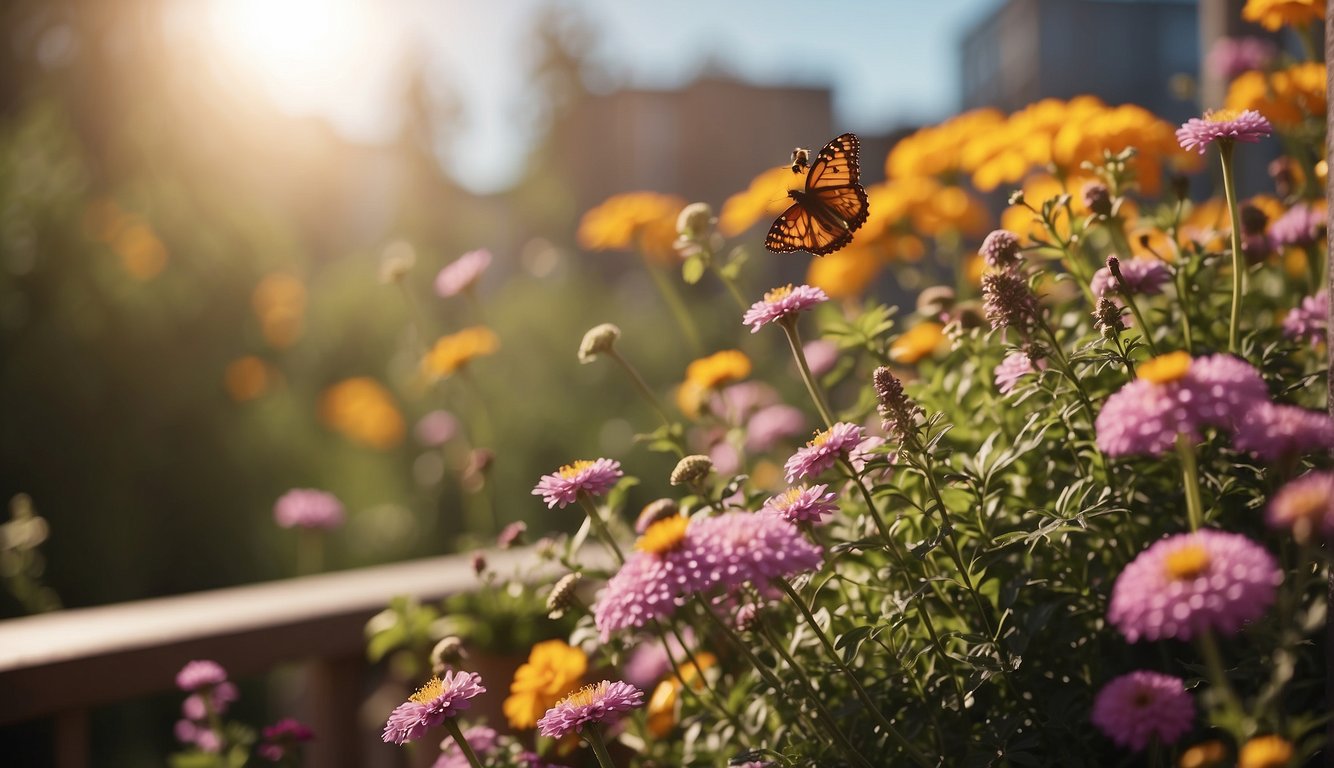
pixel 692 270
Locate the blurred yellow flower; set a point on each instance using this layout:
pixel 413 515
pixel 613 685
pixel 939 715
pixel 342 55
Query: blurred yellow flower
pixel 718 369
pixel 279 302
pixel 456 350
pixel 845 274
pixel 662 704
pixel 1271 751
pixel 554 669
pixel 642 220
pixel 938 150
pixel 918 342
pixel 246 378
pixel 1273 14
pixel 765 198
pixel 363 411
pixel 1286 97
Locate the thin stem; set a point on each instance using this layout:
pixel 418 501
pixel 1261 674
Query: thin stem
pixel 1213 661
pixel 1190 475
pixel 952 547
pixel 593 736
pixel 309 551
pixel 416 319
pixel 640 385
pixel 715 699
pixel 871 508
pixel 1238 259
pixel 1145 331
pixel 1063 363
pixel 677 307
pixel 452 726
pixel 600 526
pixel 1179 264
pixel 789 326
pixel 731 286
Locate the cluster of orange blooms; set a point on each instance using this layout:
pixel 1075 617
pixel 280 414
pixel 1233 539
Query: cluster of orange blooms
pixel 645 221
pixel 1287 96
pixel 363 411
pixel 1273 14
pixel 129 236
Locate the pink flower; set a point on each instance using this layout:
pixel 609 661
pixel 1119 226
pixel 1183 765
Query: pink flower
pixel 772 424
pixel 1306 506
pixel 603 702
pixel 436 428
pixel 511 535
pixel 1138 708
pixel 1308 320
pixel 462 273
pixel 1014 367
pixel 1142 277
pixel 1222 125
pixel 782 303
pixel 1000 249
pixel 1301 225
pixel 283 738
pixel 1192 583
pixel 1232 56
pixel 823 451
pixel 200 674
pixel 442 697
pixel 802 504
pixel 308 508
pixel 820 356
pixel 1273 432
pixel 591 477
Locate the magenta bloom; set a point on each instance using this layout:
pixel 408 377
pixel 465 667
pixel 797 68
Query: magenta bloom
pixel 1305 505
pixel 1301 225
pixel 441 697
pixel 482 740
pixel 1307 322
pixel 511 535
pixel 1232 56
pixel 782 303
pixel 1192 583
pixel 1273 432
pixel 603 702
pixel 1135 709
pixel 283 738
pixel 1222 125
pixel 462 273
pixel 1014 367
pixel 1144 277
pixel 436 428
pixel 308 508
pixel 823 451
pixel 200 674
pixel 737 402
pixel 674 561
pixel 591 477
pixel 820 356
pixel 772 424
pixel 1145 416
pixel 802 504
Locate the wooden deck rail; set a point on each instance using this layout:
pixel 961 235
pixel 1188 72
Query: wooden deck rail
pixel 63 664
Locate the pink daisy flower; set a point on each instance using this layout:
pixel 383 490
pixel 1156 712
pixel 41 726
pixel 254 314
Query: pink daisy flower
pixel 823 451
pixel 802 504
pixel 1272 432
pixel 308 508
pixel 199 674
pixel 462 273
pixel 1177 395
pixel 1222 125
pixel 1136 709
pixel 820 356
pixel 782 303
pixel 1308 320
pixel 436 428
pixel 482 739
pixel 603 702
pixel 565 484
pixel 770 425
pixel 1144 277
pixel 442 697
pixel 678 557
pixel 1014 367
pixel 1301 225
pixel 1191 583
pixel 1232 56
pixel 1305 505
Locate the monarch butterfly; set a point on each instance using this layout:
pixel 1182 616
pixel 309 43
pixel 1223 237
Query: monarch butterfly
pixel 833 205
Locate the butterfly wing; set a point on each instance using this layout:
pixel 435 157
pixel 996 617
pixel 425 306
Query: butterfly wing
pixel 830 209
pixel 797 229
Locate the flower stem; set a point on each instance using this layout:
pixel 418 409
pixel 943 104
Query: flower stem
pixel 1213 661
pixel 600 526
pixel 789 326
pixel 677 307
pixel 731 286
pixel 640 385
pixel 1238 259
pixel 452 726
pixel 1190 475
pixel 1144 329
pixel 594 739
pixel 309 552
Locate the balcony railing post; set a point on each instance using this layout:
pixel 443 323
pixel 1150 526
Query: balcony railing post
pixel 72 739
pixel 334 694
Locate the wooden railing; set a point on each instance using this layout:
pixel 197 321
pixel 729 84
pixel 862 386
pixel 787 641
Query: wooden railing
pixel 61 665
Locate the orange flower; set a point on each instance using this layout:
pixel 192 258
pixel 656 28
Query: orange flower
pixel 453 352
pixel 1286 97
pixel 553 670
pixel 279 302
pixel 718 369
pixel 662 704
pixel 1273 14
pixel 246 378
pixel 918 342
pixel 845 274
pixel 363 411
pixel 765 198
pixel 643 220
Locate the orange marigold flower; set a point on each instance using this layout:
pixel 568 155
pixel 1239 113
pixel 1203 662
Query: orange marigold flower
pixel 918 342
pixel 553 670
pixel 1273 14
pixel 1285 97
pixel 363 411
pixel 246 378
pixel 452 352
pixel 845 274
pixel 765 198
pixel 718 369
pixel 662 704
pixel 642 220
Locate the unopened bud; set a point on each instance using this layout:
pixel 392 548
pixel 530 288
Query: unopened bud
pixel 599 340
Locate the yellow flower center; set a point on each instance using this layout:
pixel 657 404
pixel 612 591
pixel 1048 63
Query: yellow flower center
pixel 586 695
pixel 789 497
pixel 1187 563
pixel 664 535
pixel 1221 115
pixel 1167 368
pixel 820 438
pixel 433 688
pixel 778 294
pixel 569 471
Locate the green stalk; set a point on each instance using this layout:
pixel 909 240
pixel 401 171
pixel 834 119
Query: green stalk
pixel 600 526
pixel 452 726
pixel 1144 329
pixel 715 699
pixel 677 307
pixel 593 736
pixel 1213 660
pixel 309 552
pixel 1225 147
pixel 1190 475
pixel 640 385
pixel 789 326
pixel 731 286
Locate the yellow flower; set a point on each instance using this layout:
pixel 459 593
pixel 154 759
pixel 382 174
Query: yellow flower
pixel 554 669
pixel 938 150
pixel 765 198
pixel 1286 97
pixel 456 350
pixel 643 220
pixel 1272 14
pixel 1210 754
pixel 1265 752
pixel 845 274
pixel 279 302
pixel 662 704
pixel 246 378
pixel 363 411
pixel 920 341
pixel 718 369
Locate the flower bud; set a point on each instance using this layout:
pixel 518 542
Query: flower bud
pixel 935 301
pixel 1000 249
pixel 447 654
pixel 691 470
pixel 696 221
pixel 1097 198
pixel 597 341
pixel 655 511
pixel 562 596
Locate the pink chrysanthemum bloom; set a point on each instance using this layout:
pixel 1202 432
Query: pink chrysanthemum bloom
pixel 283 739
pixel 1271 432
pixel 772 424
pixel 1192 583
pixel 737 402
pixel 1136 709
pixel 308 508
pixel 1306 506
pixel 820 356
pixel 1014 367
pixel 822 451
pixel 1301 225
pixel 782 303
pixel 1222 125
pixel 1143 277
pixel 199 674
pixel 1308 321
pixel 1177 395
pixel 591 477
pixel 462 273
pixel 482 739
pixel 436 428
pixel 802 504
pixel 441 697
pixel 678 557
pixel 603 702
pixel 1232 56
